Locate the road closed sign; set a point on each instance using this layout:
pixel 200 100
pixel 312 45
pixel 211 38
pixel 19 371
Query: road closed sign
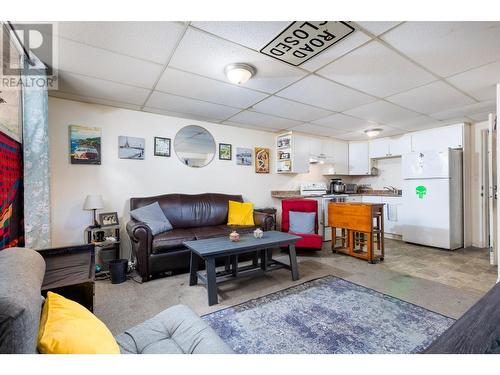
pixel 302 40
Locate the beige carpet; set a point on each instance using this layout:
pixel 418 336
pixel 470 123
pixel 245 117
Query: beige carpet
pixel 423 276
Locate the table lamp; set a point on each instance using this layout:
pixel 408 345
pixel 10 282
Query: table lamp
pixel 93 202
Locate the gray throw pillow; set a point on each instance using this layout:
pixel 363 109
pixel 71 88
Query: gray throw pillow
pixel 152 215
pixel 302 222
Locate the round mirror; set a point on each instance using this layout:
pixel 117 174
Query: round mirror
pixel 194 146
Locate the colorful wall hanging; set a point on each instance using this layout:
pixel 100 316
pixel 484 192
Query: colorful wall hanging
pixel 11 193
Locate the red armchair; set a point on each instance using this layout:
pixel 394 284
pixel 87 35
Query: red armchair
pixel 308 241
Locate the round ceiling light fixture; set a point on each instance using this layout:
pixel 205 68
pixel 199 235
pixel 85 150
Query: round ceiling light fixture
pixel 373 132
pixel 239 73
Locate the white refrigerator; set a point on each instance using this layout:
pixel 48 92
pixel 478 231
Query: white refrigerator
pixel 432 210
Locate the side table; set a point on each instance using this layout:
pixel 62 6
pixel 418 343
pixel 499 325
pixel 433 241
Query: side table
pixel 105 250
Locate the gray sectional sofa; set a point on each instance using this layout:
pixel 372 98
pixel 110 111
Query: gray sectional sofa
pixel 176 330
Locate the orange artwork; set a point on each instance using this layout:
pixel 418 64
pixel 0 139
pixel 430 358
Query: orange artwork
pixel 261 160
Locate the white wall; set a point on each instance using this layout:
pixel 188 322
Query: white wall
pixel 119 179
pixel 389 175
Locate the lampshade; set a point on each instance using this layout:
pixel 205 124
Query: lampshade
pixel 93 202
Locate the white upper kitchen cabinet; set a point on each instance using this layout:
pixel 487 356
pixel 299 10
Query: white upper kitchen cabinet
pixel 315 148
pixel 379 148
pixel 399 145
pixel 390 147
pixel 337 157
pixel 292 153
pixel 438 138
pixel 359 159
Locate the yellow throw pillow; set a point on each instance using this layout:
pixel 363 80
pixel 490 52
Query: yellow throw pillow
pixel 67 327
pixel 240 213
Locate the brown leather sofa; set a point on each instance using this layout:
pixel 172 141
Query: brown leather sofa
pixel 193 217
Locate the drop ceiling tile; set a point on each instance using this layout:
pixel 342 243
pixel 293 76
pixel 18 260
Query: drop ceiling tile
pixel 486 106
pixel 432 98
pixel 479 82
pixel 417 123
pixel 347 44
pixel 101 89
pixel 381 112
pixel 153 41
pixel 263 120
pixel 480 116
pixel 252 34
pixel 447 48
pixel 174 103
pixel 208 55
pixel 361 136
pixel 340 121
pixel 250 126
pixel 377 70
pixel 178 114
pixel 290 109
pixel 322 93
pixel 318 130
pixel 377 27
pixel 181 83
pixel 79 98
pixel 95 62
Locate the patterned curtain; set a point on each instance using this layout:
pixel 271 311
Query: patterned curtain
pixel 36 165
pixel 11 193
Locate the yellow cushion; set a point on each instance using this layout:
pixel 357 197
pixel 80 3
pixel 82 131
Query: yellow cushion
pixel 240 213
pixel 67 327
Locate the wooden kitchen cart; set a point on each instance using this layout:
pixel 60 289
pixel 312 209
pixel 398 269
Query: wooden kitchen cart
pixel 362 229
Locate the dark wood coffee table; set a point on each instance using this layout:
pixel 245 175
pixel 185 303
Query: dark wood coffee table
pixel 218 247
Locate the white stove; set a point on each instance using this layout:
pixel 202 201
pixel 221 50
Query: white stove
pixel 313 188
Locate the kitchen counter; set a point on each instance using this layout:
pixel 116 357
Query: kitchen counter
pixel 289 194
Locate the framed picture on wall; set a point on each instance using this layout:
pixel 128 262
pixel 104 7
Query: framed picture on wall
pixel 162 146
pixel 225 151
pixel 84 145
pixel 243 156
pixel 261 160
pixel 131 147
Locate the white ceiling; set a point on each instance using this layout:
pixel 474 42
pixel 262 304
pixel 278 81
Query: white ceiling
pixel 398 76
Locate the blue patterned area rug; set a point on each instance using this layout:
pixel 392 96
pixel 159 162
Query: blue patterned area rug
pixel 327 315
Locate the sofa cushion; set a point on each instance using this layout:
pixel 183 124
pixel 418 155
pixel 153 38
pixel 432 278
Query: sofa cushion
pixel 66 327
pixel 176 330
pixel 21 276
pixel 153 217
pixel 240 213
pixel 172 240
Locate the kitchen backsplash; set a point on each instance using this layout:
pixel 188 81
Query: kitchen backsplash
pixel 389 174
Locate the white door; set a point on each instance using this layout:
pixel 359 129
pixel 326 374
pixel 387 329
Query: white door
pixel 428 164
pixel 492 190
pixel 426 212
